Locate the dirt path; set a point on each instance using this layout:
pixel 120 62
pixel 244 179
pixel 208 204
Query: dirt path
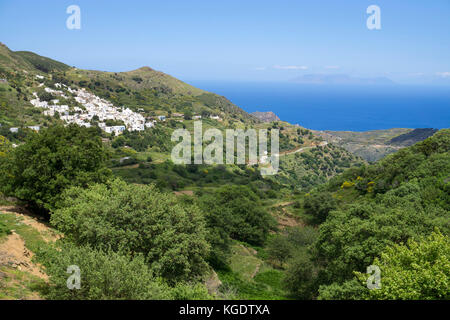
pixel 283 204
pixel 256 270
pixel 14 254
pixel 283 217
pixel 184 192
pixel 32 221
pixel 285 153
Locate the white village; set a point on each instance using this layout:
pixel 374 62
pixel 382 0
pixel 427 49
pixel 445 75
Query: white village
pixel 94 107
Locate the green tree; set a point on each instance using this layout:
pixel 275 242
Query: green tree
pixel 104 275
pixel 238 210
pixel 318 205
pixel 419 270
pixel 46 96
pixel 137 219
pixel 188 115
pixel 279 249
pixel 51 161
pixel 301 276
pixel 408 199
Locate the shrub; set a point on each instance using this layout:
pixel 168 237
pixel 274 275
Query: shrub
pixel 140 220
pixel 104 275
pixel 419 270
pixel 57 158
pixel 319 205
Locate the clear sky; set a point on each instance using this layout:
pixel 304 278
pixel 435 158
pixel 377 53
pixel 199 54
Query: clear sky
pixel 238 40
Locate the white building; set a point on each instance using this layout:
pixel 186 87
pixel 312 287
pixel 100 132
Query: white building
pixel 35 128
pixel 115 129
pixel 149 124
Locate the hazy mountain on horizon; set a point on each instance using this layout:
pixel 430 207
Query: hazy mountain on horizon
pixel 340 79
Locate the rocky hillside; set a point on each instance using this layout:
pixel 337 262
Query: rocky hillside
pixel 268 116
pixel 412 137
pixel 376 144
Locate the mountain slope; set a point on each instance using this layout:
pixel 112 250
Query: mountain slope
pixel 376 144
pixel 364 210
pixel 155 92
pixel 410 138
pixel 27 61
pixel 42 63
pixel 268 116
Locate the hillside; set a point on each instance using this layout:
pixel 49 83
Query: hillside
pixel 28 61
pixel 368 209
pixel 21 234
pixel 146 92
pixel 314 165
pixel 204 231
pixel 376 144
pixel 412 137
pixel 155 93
pixel 268 116
pixel 145 89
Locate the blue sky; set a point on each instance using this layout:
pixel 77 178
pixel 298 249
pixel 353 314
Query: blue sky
pixel 238 40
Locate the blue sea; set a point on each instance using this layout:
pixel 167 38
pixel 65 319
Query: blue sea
pixel 340 107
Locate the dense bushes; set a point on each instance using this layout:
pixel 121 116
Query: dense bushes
pixel 39 170
pixel 407 200
pixel 103 274
pixel 416 271
pixel 158 137
pixel 137 219
pixel 240 213
pixel 234 212
pixel 368 209
pixel 301 275
pixel 318 205
pixel 108 275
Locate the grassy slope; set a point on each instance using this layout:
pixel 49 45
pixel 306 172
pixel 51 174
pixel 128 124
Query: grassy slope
pixel 250 277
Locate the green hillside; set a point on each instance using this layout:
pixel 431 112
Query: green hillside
pixel 369 145
pixel 28 61
pixel 42 64
pixel 170 231
pixel 368 209
pixel 154 92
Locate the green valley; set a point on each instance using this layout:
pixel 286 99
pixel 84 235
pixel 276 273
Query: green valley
pixel 87 179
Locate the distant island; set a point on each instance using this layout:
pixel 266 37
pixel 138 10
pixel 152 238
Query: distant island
pixel 340 79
